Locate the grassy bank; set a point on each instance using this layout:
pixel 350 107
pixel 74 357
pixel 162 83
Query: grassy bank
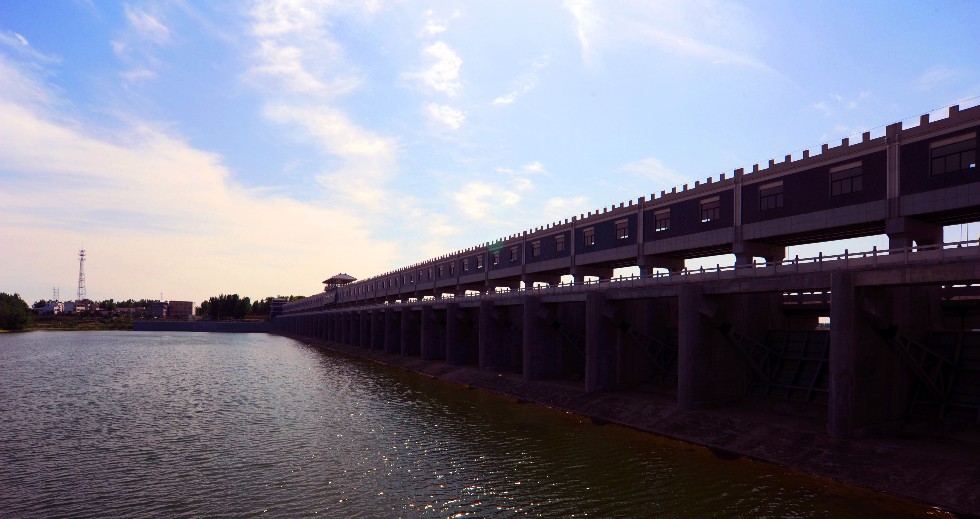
pixel 74 322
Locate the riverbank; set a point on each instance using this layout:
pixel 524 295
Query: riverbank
pixel 72 323
pixel 941 471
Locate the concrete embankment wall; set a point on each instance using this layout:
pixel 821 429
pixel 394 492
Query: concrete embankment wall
pixel 201 326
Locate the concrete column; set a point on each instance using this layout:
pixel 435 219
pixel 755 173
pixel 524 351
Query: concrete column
pixel 542 349
pixel 392 331
pixel 494 342
pixel 601 351
pixel 648 263
pixel 746 252
pixel 870 387
pixel 410 333
pixel 463 338
pixel 432 346
pixel 377 329
pixel 365 328
pixel 710 371
pixel 903 231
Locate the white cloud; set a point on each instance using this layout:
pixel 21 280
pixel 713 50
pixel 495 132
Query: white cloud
pixel 451 117
pixel 936 76
pixel 138 74
pixel 154 213
pixel 652 169
pixel 477 200
pixel 586 23
pixel 442 75
pixel 533 167
pixel 435 26
pixel 557 208
pixel 147 25
pixel 525 84
pixel 707 31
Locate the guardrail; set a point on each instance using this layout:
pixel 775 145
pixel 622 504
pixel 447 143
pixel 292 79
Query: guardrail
pixel 820 263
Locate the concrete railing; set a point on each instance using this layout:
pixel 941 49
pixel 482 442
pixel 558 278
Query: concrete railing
pixel 847 260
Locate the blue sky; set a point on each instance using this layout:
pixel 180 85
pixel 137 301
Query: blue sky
pixel 197 148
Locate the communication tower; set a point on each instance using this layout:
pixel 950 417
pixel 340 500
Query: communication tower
pixel 55 293
pixel 81 275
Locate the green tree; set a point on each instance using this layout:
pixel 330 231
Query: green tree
pixel 14 312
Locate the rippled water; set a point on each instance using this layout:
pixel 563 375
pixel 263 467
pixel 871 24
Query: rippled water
pixel 127 424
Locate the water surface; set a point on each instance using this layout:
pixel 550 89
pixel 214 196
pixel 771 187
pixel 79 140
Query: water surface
pixel 138 424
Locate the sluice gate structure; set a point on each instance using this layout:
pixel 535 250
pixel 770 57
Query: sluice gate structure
pixel 901 354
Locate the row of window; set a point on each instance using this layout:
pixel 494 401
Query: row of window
pixel 948 156
pixel 952 155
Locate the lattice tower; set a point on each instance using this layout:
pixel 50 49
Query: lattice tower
pixel 81 275
pixel 55 293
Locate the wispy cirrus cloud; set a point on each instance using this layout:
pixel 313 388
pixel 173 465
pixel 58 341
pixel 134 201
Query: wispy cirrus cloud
pixel 147 25
pixel 526 83
pixel 654 171
pixel 936 76
pixel 707 31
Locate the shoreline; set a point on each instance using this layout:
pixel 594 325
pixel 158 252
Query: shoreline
pixel 943 472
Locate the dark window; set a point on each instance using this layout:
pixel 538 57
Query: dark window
pixel 710 210
pixel 496 258
pixel 846 181
pixel 622 229
pixel 535 248
pixel 589 236
pixel 958 156
pixel 559 243
pixel 430 272
pixel 452 269
pixel 466 264
pixel 440 271
pixel 771 197
pixel 513 254
pixel 479 262
pixel 661 220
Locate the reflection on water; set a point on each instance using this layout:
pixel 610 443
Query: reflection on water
pixel 143 424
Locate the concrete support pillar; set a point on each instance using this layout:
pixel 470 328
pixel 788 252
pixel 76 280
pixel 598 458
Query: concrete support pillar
pixel 410 333
pixel 355 328
pixel 710 371
pixel 364 317
pixel 746 252
pixel 432 333
pixel 377 329
pixel 579 273
pixel 392 331
pixel 542 349
pixel 500 350
pixel 601 348
pixel 648 263
pixel 904 232
pixel 870 386
pixel 463 338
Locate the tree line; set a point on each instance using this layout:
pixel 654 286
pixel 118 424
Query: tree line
pixel 233 306
pixel 14 312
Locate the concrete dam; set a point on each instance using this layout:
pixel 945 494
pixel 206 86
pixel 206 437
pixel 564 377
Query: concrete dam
pixel 734 357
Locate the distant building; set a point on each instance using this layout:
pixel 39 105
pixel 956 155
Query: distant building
pixel 181 310
pixel 275 307
pixel 52 308
pixel 157 310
